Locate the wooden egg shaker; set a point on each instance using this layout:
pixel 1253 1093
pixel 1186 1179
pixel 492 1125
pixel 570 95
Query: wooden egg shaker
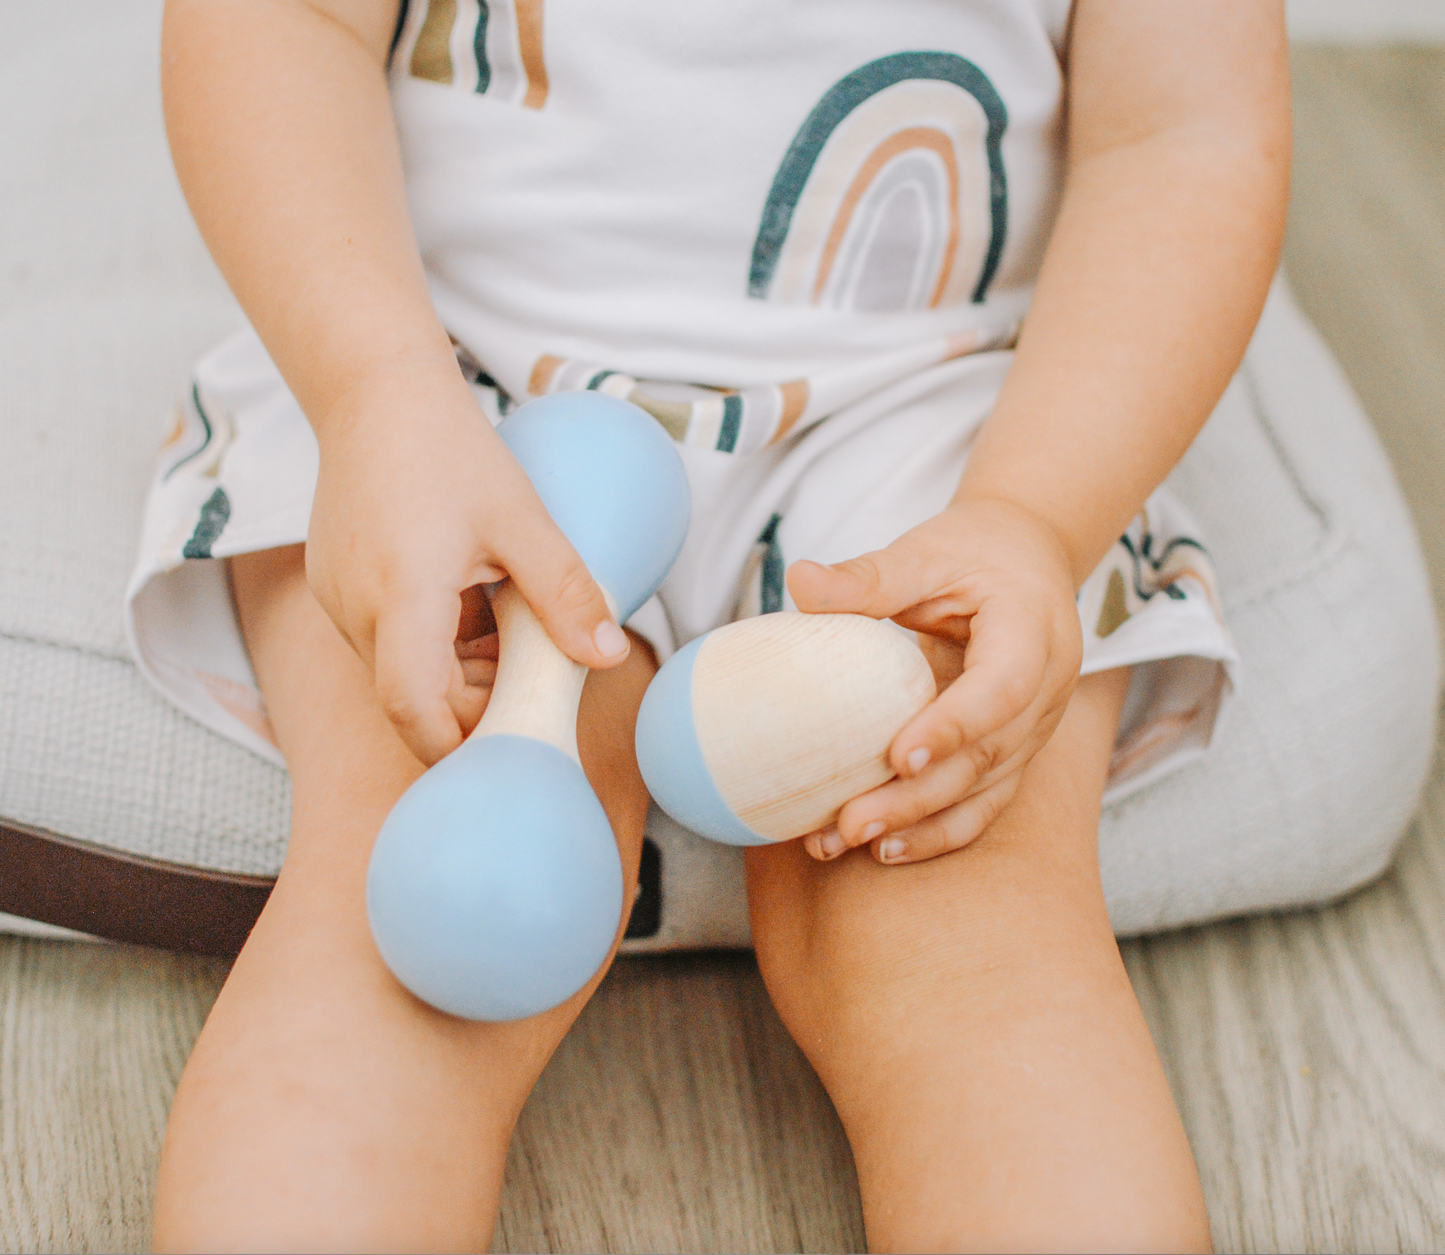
pixel 761 730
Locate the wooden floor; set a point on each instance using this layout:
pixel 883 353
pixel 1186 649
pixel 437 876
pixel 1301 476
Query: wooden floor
pixel 1307 1051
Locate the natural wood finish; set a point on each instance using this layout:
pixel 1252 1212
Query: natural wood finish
pixel 1307 1050
pixel 538 687
pixel 92 1042
pixel 794 713
pixel 680 1116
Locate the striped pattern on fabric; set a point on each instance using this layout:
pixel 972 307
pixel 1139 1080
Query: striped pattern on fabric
pixel 743 420
pixel 491 47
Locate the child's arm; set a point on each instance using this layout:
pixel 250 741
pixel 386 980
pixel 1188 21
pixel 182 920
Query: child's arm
pixel 281 127
pixel 1166 241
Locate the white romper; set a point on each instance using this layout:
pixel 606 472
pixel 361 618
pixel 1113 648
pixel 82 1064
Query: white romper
pixel 802 234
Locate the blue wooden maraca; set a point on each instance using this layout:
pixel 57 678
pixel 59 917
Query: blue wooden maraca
pixel 495 888
pixel 762 729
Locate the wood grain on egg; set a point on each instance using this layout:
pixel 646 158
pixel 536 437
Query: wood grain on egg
pixel 795 713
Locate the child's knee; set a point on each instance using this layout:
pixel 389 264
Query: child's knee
pixel 843 943
pixel 831 935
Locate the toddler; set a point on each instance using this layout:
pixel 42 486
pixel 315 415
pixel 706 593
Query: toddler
pixel 932 294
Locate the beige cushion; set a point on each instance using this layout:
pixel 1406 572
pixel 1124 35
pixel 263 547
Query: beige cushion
pixel 107 296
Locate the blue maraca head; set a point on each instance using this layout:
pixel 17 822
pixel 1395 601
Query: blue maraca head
pixel 495 888
pixel 612 480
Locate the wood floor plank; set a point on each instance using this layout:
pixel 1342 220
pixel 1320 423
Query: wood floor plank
pixel 1307 1052
pixel 92 1041
pixel 680 1115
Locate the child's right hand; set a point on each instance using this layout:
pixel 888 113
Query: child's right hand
pixel 281 125
pixel 418 501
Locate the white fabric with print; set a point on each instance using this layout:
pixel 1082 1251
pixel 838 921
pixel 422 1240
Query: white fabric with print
pixel 802 237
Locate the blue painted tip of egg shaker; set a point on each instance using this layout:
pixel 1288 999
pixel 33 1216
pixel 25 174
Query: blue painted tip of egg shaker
pixel 670 757
pixel 495 887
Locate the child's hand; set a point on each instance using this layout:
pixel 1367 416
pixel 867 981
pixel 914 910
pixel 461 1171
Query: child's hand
pixel 988 584
pixel 284 138
pixel 417 503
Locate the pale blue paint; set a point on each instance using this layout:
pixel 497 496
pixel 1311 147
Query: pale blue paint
pixel 671 760
pixel 495 887
pixel 612 480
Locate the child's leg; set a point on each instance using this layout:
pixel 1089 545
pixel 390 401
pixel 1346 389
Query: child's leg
pixel 324 1107
pixel 972 1020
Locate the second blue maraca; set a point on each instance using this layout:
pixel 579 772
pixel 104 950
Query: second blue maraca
pixel 495 887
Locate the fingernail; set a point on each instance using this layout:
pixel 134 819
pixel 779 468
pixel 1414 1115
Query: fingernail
pixel 918 759
pixel 611 640
pixel 873 829
pixel 830 844
pixel 893 849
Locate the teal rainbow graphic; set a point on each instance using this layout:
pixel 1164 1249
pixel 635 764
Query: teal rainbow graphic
pixel 892 194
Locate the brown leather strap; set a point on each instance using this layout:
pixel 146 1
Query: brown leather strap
pixel 126 897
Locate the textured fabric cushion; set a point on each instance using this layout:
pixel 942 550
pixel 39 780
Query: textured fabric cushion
pixel 1312 781
pixel 107 296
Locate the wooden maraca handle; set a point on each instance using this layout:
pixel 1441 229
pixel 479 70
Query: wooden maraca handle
pixel 538 688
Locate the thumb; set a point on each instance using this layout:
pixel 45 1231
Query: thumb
pixel 561 592
pixel 878 584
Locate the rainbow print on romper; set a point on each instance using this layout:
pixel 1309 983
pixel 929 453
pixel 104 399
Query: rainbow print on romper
pixel 892 195
pixel 491 47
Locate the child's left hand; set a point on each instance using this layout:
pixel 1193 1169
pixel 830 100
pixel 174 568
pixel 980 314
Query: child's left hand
pixel 988 586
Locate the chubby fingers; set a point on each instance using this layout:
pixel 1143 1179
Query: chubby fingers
pixel 949 829
pixel 957 755
pixel 419 679
pixel 938 832
pixel 879 584
pixel 478 658
pixel 556 584
pixel 1006 671
pixel 900 805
